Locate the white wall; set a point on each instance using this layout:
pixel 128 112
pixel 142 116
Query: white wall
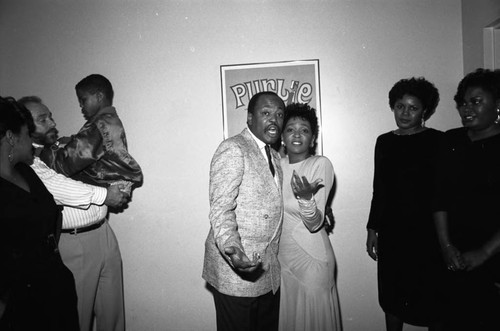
pixel 476 15
pixel 163 59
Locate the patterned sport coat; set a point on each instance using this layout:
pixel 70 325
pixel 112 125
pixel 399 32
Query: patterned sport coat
pixel 246 211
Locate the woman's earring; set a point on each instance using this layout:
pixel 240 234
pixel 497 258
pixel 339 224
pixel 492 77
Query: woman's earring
pixel 11 155
pixel 497 121
pixel 11 152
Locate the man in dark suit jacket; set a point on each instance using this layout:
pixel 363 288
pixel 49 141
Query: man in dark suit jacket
pixel 246 211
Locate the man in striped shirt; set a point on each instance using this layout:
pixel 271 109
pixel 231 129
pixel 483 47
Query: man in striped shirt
pixel 87 245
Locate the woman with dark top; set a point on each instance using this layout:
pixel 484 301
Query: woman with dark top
pixel 401 235
pixel 37 292
pixel 467 205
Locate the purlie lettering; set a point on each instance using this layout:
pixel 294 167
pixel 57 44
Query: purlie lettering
pixel 243 92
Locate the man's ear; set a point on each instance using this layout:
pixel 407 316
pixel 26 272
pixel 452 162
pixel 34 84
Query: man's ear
pixel 100 96
pixel 249 118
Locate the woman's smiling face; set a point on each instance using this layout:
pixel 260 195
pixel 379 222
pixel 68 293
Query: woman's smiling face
pixel 298 137
pixel 479 111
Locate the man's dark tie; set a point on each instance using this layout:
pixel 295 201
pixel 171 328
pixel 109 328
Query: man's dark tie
pixel 268 153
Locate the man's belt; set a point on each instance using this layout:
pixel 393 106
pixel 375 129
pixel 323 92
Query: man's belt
pixel 84 228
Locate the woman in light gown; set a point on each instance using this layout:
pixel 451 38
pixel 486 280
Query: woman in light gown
pixel 309 298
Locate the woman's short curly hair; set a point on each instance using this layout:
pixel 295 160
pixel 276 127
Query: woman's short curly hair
pixel 487 80
pixel 13 116
pixel 419 88
pixel 307 113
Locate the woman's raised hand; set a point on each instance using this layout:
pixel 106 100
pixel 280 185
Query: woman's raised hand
pixel 301 187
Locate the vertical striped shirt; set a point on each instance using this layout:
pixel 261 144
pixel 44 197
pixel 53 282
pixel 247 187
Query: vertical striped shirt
pixel 83 203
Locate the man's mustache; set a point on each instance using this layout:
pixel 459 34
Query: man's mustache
pixel 54 131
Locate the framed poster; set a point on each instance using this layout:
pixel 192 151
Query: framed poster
pixel 292 81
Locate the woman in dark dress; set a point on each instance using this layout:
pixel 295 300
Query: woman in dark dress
pixel 467 205
pixel 401 235
pixel 37 292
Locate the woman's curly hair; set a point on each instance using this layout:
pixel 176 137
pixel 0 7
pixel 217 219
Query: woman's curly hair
pixel 13 116
pixel 419 88
pixel 487 80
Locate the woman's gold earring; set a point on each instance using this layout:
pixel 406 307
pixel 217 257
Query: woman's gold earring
pixel 423 119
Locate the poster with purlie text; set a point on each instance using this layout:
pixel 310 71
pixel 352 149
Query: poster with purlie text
pixel 292 81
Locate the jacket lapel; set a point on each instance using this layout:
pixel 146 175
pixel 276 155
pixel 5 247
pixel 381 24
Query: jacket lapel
pixel 256 154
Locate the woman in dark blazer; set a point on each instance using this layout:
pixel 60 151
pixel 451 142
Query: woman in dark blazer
pixel 37 291
pixel 467 205
pixel 401 234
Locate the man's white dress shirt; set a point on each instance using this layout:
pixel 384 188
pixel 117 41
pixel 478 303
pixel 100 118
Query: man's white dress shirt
pixel 83 203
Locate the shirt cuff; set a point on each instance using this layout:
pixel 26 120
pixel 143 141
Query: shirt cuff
pixel 307 207
pixel 99 195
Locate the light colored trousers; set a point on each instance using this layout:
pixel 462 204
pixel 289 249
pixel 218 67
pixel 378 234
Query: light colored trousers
pixel 94 259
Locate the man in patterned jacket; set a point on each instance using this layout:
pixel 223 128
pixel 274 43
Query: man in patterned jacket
pixel 246 211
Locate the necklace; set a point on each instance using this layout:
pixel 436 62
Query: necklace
pixel 418 130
